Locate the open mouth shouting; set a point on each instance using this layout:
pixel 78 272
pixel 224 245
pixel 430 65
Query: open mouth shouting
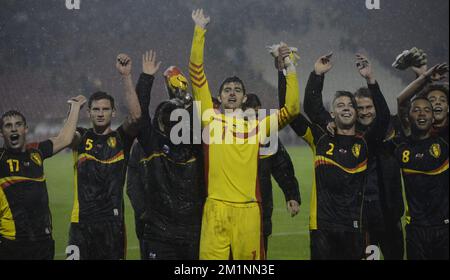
pixel 438 110
pixel 232 100
pixel 14 139
pixel 421 122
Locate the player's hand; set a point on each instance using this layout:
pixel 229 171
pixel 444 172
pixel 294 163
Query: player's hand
pixel 331 128
pixel 123 64
pixel 323 64
pixel 78 101
pixel 414 57
pixel 283 52
pixel 149 65
pixel 293 207
pixel 279 52
pixel 285 55
pixel 274 51
pixel 200 18
pixel 420 70
pixel 437 72
pixel 365 68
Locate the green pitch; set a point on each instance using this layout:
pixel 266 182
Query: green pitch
pixel 289 241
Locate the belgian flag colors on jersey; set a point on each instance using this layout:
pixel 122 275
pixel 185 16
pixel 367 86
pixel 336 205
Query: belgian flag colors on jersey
pixel 424 166
pixel 340 164
pixel 100 168
pixel 24 208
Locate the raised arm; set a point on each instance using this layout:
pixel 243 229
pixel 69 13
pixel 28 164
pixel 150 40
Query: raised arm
pixel 123 65
pixel 66 135
pixel 377 131
pixel 314 107
pixel 290 108
pixel 301 126
pixel 200 87
pixel 143 90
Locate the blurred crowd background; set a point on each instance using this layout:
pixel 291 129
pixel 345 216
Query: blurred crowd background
pixel 49 53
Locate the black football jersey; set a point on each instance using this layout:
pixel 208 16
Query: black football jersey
pixel 424 166
pixel 100 168
pixel 340 175
pixel 24 206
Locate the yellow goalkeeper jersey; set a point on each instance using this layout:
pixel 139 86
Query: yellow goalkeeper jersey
pixel 231 143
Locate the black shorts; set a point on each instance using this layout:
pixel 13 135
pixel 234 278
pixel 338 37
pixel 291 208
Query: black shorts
pixel 427 243
pixel 170 250
pixel 97 241
pixel 387 235
pixel 336 245
pixel 27 250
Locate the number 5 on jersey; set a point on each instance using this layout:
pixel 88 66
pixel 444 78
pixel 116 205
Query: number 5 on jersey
pixel 89 144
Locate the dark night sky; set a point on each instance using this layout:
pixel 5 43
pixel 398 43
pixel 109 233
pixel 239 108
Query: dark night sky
pixel 50 53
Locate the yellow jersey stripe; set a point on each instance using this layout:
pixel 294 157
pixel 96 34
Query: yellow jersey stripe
pixel 120 156
pixel 155 155
pixel 321 160
pixel 309 137
pixel 7 225
pixel 75 217
pixel 313 206
pixel 437 171
pixel 8 181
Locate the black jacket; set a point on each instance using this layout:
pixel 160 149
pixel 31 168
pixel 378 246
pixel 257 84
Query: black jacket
pixel 174 188
pixel 278 165
pixel 135 187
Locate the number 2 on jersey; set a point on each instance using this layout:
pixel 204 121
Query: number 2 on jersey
pixel 330 151
pixel 13 165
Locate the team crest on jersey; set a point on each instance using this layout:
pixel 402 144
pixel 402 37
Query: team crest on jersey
pixel 435 150
pixel 112 142
pixel 36 158
pixel 356 150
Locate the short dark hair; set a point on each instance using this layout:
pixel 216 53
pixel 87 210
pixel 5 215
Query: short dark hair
pixel 215 102
pixel 341 93
pixel 435 87
pixel 419 97
pixel 363 92
pixel 252 101
pixel 12 113
pixel 233 79
pixel 99 95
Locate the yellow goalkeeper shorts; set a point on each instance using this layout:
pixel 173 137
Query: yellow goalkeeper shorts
pixel 231 231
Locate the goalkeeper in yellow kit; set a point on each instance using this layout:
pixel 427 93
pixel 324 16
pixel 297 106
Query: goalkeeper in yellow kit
pixel 231 223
